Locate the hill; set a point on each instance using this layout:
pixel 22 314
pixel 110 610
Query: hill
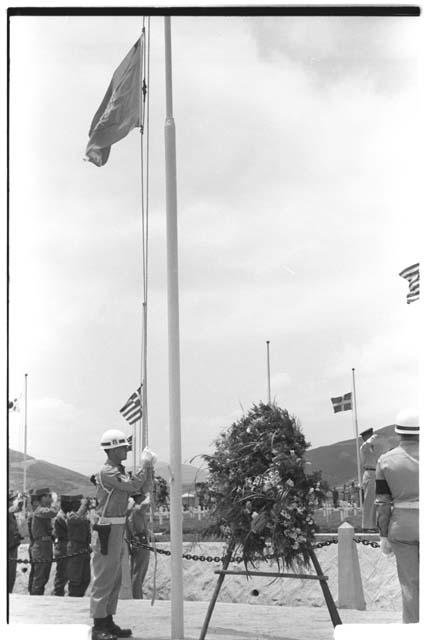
pixel 61 480
pixel 338 461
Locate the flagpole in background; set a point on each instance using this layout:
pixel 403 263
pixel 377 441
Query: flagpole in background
pixel 25 438
pixel 268 372
pixel 177 600
pixel 356 429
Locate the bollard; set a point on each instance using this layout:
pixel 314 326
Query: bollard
pixel 350 588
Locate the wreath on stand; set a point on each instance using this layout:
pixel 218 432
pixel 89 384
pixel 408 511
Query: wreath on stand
pixel 262 499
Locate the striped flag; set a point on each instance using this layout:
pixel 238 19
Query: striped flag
pixel 132 409
pixel 342 403
pixel 413 276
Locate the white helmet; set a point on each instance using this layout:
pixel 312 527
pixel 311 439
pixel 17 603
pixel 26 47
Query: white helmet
pixel 407 422
pixel 113 438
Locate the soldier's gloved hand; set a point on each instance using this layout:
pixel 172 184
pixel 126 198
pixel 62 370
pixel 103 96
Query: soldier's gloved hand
pixel 385 546
pixel 148 458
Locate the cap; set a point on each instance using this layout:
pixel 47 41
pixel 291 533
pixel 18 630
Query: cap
pixel 41 492
pixel 367 432
pixel 407 422
pixel 71 498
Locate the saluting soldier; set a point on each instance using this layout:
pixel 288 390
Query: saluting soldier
pixel 370 451
pixel 114 486
pixel 398 509
pixel 42 547
pixel 137 535
pixel 79 539
pixel 60 546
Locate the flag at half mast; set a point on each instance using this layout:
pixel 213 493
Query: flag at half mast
pixel 342 403
pixel 132 409
pixel 120 110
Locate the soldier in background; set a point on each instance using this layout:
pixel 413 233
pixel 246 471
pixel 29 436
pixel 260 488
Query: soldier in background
pixel 60 545
pixel 14 540
pixel 79 539
pixel 398 509
pixel 42 547
pixel 33 504
pixel 137 534
pixel 370 451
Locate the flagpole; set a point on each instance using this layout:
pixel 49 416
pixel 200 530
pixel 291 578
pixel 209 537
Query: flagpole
pixel 177 603
pixel 25 438
pixel 356 429
pixel 268 372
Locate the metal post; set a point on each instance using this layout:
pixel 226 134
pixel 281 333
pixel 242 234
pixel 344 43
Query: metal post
pixel 356 429
pixel 25 437
pixel 268 372
pixel 177 609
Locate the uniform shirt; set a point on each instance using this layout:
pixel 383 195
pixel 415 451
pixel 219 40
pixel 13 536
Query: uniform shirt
pixel 79 535
pixel 136 520
pixel 370 451
pixel 14 537
pixel 397 479
pixel 41 522
pixel 114 486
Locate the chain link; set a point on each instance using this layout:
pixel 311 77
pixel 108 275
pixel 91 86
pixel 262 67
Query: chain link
pixel 367 543
pixel 27 561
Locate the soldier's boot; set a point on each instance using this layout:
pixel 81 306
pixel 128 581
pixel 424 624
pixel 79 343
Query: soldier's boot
pixel 100 631
pixel 112 627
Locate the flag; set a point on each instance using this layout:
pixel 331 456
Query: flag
pixel 413 276
pixel 13 405
pixel 132 409
pixel 120 109
pixel 342 403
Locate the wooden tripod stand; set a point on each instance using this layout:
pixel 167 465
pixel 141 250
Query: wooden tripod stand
pixel 334 615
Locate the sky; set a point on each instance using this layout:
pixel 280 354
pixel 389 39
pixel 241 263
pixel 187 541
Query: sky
pixel 297 172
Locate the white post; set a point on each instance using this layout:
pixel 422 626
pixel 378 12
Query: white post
pixel 25 437
pixel 268 372
pixel 356 429
pixel 350 588
pixel 177 600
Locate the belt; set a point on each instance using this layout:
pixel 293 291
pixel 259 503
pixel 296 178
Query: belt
pixel 369 468
pixel 42 538
pixel 112 520
pixel 406 504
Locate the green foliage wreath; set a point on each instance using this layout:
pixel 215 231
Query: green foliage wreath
pixel 262 500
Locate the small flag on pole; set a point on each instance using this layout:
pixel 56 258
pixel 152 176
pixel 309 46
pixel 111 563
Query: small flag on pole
pixel 342 403
pixel 13 405
pixel 413 276
pixel 120 110
pixel 132 409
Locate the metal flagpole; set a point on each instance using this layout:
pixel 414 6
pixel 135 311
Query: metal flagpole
pixel 356 429
pixel 177 601
pixel 25 437
pixel 268 372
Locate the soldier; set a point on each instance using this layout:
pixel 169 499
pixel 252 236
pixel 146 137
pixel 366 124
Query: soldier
pixel 114 486
pixel 42 547
pixel 33 505
pixel 60 545
pixel 398 509
pixel 137 534
pixel 14 540
pixel 370 451
pixel 79 539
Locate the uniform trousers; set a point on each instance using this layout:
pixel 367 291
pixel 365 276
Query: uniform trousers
pixel 31 574
pixel 42 557
pixel 12 568
pixel 60 579
pixel 78 573
pixel 139 561
pixel 369 513
pixel 407 563
pixel 107 572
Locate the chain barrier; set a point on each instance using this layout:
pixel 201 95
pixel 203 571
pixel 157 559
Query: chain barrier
pixel 27 561
pixel 367 543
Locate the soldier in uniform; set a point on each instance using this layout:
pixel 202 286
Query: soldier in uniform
pixel 60 545
pixel 370 451
pixel 79 539
pixel 397 480
pixel 14 540
pixel 33 505
pixel 42 547
pixel 137 534
pixel 114 486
